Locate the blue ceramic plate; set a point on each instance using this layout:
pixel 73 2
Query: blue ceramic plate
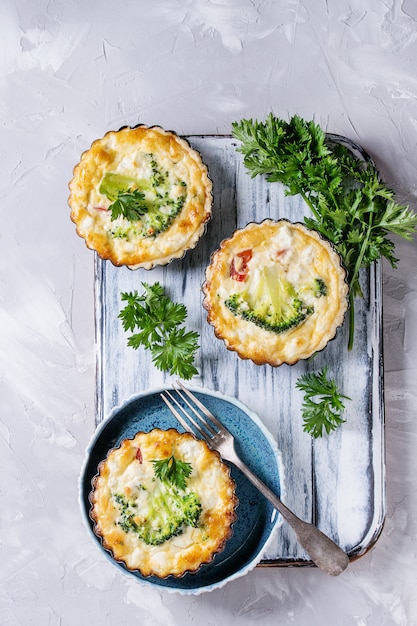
pixel 256 518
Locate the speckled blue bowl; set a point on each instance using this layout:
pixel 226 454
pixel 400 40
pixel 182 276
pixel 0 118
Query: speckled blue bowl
pixel 256 521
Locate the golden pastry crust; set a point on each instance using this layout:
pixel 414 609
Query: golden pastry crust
pixel 128 471
pixel 164 166
pixel 300 256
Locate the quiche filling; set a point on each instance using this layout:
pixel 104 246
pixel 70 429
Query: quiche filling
pixel 156 510
pixel 273 296
pixel 141 207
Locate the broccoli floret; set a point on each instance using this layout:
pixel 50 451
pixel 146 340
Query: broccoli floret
pixel 192 509
pixel 113 184
pixel 269 301
pixel 319 287
pixel 315 288
pixel 168 512
pixel 161 214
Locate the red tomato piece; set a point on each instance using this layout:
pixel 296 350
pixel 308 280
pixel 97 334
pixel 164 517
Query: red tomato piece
pixel 239 265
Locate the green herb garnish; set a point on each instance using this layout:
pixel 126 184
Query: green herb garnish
pixel 323 403
pixel 127 196
pixel 129 204
pixel 173 470
pixel 351 207
pixel 159 320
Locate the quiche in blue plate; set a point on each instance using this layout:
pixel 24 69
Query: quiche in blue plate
pixel 256 520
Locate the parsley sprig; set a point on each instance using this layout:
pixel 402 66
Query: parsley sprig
pixel 129 204
pixel 351 207
pixel 323 403
pixel 173 470
pixel 157 320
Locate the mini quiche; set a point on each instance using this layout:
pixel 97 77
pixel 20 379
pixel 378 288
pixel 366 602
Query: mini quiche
pixel 275 292
pixel 163 503
pixel 140 197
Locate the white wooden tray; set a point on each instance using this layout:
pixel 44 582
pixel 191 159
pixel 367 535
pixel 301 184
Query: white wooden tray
pixel 336 482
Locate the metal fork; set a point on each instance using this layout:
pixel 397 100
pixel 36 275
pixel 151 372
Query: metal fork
pixel 324 552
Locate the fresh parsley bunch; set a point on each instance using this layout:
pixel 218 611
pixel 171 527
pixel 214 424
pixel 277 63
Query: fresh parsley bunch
pixel 157 320
pixel 351 207
pixel 323 403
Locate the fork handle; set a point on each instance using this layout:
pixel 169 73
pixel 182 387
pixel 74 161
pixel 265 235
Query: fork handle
pixel 323 551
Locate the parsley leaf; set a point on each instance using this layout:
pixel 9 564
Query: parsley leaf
pixel 172 470
pixel 323 403
pixel 129 204
pixel 177 353
pixel 157 322
pixel 350 206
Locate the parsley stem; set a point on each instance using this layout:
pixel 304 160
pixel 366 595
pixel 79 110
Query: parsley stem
pixel 351 319
pixel 310 205
pixel 354 279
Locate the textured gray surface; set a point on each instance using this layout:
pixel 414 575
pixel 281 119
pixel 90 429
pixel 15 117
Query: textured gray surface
pixel 70 71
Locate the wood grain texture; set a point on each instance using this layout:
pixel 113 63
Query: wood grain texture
pixel 337 481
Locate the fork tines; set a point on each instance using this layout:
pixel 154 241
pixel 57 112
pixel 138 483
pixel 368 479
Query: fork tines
pixel 202 426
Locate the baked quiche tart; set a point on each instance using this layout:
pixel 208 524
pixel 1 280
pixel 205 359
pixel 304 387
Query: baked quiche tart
pixel 140 196
pixel 163 503
pixel 275 292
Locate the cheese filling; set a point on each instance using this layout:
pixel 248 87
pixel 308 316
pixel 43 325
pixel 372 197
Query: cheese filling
pixel 274 285
pixel 138 199
pixel 159 516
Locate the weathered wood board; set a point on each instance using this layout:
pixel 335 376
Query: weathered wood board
pixel 336 482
